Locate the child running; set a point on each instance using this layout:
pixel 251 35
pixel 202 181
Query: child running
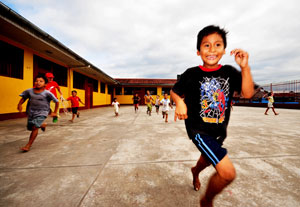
pixel 38 108
pixel 165 102
pixel 74 104
pixel 136 99
pixel 116 105
pixel 148 101
pixel 52 86
pixel 157 103
pixel 207 90
pixel 270 102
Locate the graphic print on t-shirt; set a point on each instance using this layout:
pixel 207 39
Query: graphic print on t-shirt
pixel 214 98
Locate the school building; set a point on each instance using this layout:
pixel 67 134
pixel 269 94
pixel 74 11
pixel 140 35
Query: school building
pixel 26 51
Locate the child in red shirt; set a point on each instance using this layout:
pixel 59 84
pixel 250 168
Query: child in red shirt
pixel 52 86
pixel 75 104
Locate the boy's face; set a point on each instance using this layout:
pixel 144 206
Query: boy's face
pixel 39 83
pixel 211 50
pixel 166 96
pixel 74 94
pixel 50 79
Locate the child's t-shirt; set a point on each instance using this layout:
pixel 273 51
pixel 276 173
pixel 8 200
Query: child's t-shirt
pixel 38 103
pixel 74 101
pixel 52 86
pixel 115 104
pixel 271 99
pixel 208 94
pixel 165 104
pixel 157 101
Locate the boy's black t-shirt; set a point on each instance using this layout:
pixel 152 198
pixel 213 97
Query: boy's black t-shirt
pixel 208 96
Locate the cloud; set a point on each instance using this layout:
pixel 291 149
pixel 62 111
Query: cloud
pixel 156 39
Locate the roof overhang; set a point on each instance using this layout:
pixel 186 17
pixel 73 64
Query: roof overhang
pixel 16 28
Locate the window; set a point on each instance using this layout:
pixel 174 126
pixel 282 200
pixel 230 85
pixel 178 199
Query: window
pixel 102 87
pixel 118 90
pixel 45 66
pixel 11 61
pixel 165 90
pixel 128 90
pixel 78 80
pixel 60 74
pixel 95 85
pixel 153 91
pixel 109 89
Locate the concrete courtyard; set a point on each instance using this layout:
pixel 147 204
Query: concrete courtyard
pixel 138 160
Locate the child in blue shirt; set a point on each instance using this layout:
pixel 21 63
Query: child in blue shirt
pixel 38 108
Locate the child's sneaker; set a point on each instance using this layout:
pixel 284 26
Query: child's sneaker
pixel 55 119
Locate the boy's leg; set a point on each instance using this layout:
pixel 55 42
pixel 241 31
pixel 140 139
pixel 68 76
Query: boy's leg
pixel 223 177
pixel 274 111
pixel 166 117
pixel 201 165
pixel 43 127
pixel 32 137
pixel 267 111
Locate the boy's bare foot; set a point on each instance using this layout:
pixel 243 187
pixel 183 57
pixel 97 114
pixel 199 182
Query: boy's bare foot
pixel 43 128
pixel 277 114
pixel 166 121
pixel 205 203
pixel 78 114
pixel 25 149
pixel 71 120
pixel 196 181
pixel 266 114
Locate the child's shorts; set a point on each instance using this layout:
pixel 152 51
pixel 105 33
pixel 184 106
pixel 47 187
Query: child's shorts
pixel 37 122
pixel 74 110
pixel 210 147
pixel 165 112
pixel 157 106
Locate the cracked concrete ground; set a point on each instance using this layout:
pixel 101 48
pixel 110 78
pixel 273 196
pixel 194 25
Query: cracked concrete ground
pixel 138 160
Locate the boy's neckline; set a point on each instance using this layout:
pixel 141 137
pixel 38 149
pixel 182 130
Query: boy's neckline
pixel 210 70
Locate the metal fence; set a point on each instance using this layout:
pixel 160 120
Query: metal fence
pixel 283 87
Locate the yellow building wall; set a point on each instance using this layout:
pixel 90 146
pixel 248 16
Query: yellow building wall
pixel 11 88
pixel 124 99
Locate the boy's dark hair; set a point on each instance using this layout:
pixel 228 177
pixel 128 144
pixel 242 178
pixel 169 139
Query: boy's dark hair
pixel 114 99
pixel 211 29
pixel 74 91
pixel 41 76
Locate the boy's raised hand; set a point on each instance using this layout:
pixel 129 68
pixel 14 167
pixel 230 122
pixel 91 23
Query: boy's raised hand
pixel 241 57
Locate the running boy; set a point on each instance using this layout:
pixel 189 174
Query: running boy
pixel 270 103
pixel 116 105
pixel 38 108
pixel 207 92
pixel 157 103
pixel 165 102
pixel 74 104
pixel 148 101
pixel 52 86
pixel 136 99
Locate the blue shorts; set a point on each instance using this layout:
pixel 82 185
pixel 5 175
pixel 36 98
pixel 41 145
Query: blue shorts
pixel 210 147
pixel 37 122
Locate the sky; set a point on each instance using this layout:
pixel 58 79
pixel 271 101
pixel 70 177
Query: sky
pixel 157 38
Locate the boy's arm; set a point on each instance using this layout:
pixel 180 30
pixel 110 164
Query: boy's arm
pixel 181 109
pixel 19 107
pixel 241 58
